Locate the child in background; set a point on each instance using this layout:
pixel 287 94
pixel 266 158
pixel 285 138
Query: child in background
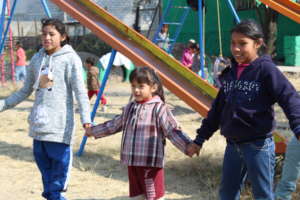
pixel 93 80
pixel 290 172
pixel 163 37
pixel 196 60
pixel 145 123
pixel 188 55
pixel 20 63
pixel 243 109
pixel 54 73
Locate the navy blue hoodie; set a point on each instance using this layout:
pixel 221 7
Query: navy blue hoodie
pixel 243 108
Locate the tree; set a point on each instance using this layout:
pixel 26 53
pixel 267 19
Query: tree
pixel 268 20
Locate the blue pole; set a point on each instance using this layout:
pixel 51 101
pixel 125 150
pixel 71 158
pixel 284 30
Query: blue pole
pixel 7 26
pixel 46 8
pixel 2 20
pixel 177 32
pixel 237 19
pixel 201 42
pixel 103 83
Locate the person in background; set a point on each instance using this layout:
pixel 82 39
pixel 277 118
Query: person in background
pixel 163 37
pixel 54 74
pixel 188 55
pixel 290 172
pixel 146 122
pixel 244 112
pixel 93 80
pixel 196 60
pixel 20 72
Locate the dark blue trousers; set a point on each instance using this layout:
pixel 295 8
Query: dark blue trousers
pixel 256 160
pixel 54 161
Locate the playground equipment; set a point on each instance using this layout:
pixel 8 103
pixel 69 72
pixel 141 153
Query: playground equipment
pixel 3 35
pixel 185 84
pixel 178 24
pixel 196 5
pixel 120 60
pixel 6 6
pixel 286 7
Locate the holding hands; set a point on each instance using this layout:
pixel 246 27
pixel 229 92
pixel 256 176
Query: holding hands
pixel 88 130
pixel 192 149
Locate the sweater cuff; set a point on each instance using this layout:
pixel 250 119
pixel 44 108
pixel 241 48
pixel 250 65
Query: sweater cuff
pixel 199 141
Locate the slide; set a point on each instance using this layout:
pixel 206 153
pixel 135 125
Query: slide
pixel 287 8
pixel 194 91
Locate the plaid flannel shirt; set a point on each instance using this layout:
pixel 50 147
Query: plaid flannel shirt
pixel 145 127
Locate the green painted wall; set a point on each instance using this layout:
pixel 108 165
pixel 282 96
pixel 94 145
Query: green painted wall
pixel 190 29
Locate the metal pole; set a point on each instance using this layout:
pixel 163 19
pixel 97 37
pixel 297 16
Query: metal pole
pixel 7 26
pixel 201 42
pixel 11 45
pixel 1 34
pixel 102 87
pixel 152 22
pixel 46 8
pixel 237 19
pixel 2 18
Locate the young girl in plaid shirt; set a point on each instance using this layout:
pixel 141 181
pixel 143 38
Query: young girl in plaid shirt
pixel 145 123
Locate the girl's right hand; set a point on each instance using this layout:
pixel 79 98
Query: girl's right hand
pixel 192 149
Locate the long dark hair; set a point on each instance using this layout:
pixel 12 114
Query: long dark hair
pixel 252 30
pixel 59 26
pixel 148 76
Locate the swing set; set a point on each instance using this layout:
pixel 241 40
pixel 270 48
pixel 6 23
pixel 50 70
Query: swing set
pixel 9 10
pixel 176 23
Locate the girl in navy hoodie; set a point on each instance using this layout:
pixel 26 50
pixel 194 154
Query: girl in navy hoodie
pixel 243 110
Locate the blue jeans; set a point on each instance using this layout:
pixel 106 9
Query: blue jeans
pixel 290 172
pixel 20 73
pixel 54 161
pixel 254 160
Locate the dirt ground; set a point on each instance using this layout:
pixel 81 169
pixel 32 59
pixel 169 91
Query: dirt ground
pixel 97 174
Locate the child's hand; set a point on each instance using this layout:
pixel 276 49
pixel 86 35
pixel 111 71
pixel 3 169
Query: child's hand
pixel 192 149
pixel 88 130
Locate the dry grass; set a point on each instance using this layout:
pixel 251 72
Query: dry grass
pixel 98 175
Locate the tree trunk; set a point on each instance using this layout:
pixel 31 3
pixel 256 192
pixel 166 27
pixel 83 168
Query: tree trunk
pixel 268 20
pixel 272 37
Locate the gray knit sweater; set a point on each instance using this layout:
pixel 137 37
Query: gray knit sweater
pixel 52 114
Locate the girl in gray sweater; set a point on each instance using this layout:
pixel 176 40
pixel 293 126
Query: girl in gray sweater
pixel 54 73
